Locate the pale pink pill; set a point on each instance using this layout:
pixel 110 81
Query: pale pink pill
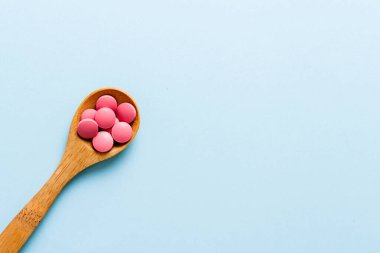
pixel 126 112
pixel 106 101
pixel 105 117
pixel 88 114
pixel 121 132
pixel 102 142
pixel 87 128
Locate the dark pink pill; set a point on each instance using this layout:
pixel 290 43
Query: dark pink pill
pixel 102 142
pixel 121 132
pixel 106 101
pixel 88 114
pixel 87 128
pixel 105 117
pixel 126 112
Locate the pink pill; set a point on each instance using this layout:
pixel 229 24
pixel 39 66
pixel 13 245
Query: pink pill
pixel 105 117
pixel 87 128
pixel 106 101
pixel 88 114
pixel 110 129
pixel 102 142
pixel 126 112
pixel 121 132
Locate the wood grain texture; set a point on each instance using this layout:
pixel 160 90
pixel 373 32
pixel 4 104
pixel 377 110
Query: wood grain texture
pixel 79 155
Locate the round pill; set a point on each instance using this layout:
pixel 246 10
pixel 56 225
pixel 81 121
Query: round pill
pixel 126 112
pixel 121 132
pixel 88 114
pixel 106 101
pixel 87 128
pixel 110 129
pixel 105 117
pixel 102 142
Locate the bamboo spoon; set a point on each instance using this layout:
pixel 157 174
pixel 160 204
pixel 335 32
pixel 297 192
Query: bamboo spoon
pixel 78 156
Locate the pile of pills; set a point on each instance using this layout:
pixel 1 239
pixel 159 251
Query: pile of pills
pixel 107 123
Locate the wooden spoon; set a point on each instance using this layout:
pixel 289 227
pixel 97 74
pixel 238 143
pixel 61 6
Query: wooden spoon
pixel 79 155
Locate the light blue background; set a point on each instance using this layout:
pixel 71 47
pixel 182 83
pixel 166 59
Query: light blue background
pixel 260 123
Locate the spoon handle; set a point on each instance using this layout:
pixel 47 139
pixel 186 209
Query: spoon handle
pixel 26 221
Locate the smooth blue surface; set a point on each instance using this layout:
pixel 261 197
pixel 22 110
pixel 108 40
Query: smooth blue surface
pixel 260 123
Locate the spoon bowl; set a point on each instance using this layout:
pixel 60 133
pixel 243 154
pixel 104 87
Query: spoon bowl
pixel 79 155
pixel 81 149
